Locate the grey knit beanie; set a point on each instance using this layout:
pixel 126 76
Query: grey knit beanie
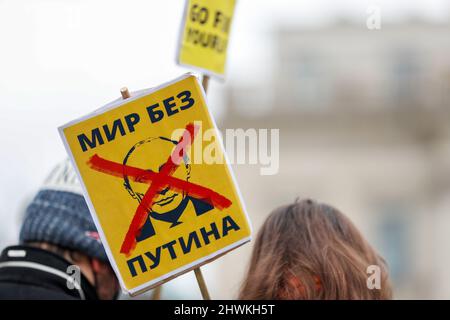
pixel 59 215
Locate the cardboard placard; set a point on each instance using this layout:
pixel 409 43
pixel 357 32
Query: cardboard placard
pixel 160 210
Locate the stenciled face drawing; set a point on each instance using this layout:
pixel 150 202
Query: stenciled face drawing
pixel 152 154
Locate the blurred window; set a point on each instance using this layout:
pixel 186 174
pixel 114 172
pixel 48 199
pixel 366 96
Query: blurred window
pixel 405 78
pixel 305 83
pixel 393 237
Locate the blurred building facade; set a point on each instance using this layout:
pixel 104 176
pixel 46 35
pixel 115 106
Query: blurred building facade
pixel 364 119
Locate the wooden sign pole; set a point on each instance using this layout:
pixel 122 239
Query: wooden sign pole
pixel 125 93
pixel 156 295
pixel 205 83
pixel 202 284
pixel 198 271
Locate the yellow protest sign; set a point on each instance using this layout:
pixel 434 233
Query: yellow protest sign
pixel 204 35
pixel 161 206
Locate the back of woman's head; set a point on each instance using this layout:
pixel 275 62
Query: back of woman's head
pixel 309 250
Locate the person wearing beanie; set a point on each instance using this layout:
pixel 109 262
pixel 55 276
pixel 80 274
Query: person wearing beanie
pixel 60 255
